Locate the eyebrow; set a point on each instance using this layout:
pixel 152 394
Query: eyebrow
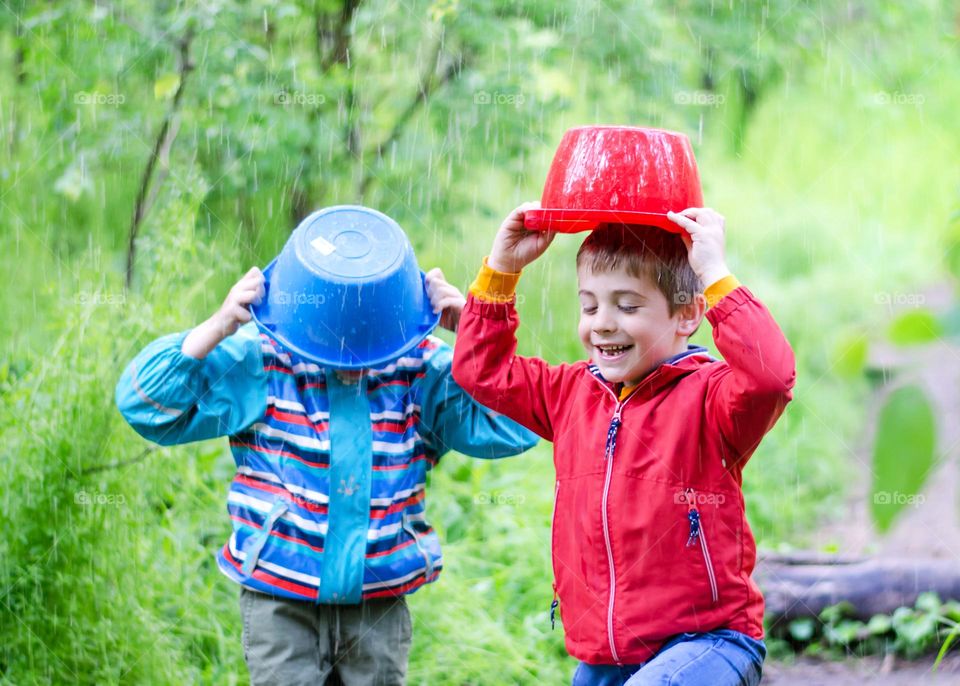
pixel 620 292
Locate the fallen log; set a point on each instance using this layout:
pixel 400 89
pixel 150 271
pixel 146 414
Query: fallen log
pixel 802 585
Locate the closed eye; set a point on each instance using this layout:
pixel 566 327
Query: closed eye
pixel 629 308
pixel 588 309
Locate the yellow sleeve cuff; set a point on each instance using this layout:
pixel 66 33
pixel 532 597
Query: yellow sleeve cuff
pixel 716 291
pixel 493 286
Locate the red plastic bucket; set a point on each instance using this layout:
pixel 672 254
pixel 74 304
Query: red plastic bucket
pixel 617 174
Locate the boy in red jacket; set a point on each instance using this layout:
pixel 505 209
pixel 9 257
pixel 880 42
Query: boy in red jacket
pixel 652 552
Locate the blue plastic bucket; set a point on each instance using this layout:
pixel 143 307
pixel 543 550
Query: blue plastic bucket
pixel 345 291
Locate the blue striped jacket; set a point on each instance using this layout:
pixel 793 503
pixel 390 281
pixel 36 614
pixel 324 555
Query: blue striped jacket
pixel 328 501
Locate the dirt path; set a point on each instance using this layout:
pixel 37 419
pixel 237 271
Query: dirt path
pixel 930 528
pixel 859 671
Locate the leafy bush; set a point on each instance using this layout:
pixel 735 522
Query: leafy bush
pixel 909 631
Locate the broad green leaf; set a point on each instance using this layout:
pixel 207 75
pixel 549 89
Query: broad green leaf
pixel 951 610
pixel 903 454
pixel 879 625
pixel 844 632
pixel 928 602
pixel 166 86
pixel 801 629
pixel 917 326
pixel 915 629
pixel 834 613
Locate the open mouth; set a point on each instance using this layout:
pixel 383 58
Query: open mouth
pixel 612 352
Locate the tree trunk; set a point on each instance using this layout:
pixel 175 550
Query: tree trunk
pixel 161 148
pixel 803 585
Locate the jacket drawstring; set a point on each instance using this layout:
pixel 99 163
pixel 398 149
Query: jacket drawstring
pixel 612 436
pixel 553 608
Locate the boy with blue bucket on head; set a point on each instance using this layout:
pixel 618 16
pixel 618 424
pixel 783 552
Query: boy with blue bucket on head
pixel 337 401
pixel 652 552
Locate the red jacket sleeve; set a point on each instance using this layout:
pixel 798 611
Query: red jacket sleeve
pixel 486 365
pixel 751 391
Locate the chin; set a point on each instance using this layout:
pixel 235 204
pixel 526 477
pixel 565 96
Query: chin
pixel 612 376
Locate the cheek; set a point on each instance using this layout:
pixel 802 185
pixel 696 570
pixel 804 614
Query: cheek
pixel 583 331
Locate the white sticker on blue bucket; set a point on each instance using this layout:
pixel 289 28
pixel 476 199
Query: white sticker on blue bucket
pixel 322 245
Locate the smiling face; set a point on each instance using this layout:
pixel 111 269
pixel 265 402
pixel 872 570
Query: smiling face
pixel 626 326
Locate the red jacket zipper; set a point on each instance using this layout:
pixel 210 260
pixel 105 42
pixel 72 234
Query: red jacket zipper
pixel 697 533
pixel 608 453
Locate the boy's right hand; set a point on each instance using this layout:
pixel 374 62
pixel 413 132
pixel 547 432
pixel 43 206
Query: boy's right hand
pixel 514 247
pixel 235 309
pixel 232 314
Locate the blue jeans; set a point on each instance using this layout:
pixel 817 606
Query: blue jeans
pixel 717 658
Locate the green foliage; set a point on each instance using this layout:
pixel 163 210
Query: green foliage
pixel 903 453
pixel 918 326
pixel 909 632
pixel 106 571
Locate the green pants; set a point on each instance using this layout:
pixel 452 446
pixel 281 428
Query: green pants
pixel 293 642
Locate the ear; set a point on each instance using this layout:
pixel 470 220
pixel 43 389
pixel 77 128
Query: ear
pixel 690 314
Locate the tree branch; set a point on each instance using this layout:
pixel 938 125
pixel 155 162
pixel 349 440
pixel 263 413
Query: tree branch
pixel 338 36
pixel 122 463
pixel 161 147
pixel 428 84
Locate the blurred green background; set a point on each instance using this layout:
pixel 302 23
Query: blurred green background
pixel 200 133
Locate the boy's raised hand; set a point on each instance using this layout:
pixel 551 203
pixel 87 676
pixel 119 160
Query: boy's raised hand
pixel 514 247
pixel 445 299
pixel 705 239
pixel 231 315
pixel 234 311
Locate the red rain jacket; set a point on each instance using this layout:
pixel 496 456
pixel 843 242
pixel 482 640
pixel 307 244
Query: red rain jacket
pixel 650 537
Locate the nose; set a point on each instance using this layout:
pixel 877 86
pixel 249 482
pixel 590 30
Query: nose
pixel 603 321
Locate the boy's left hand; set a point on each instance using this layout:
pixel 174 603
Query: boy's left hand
pixel 704 238
pixel 445 299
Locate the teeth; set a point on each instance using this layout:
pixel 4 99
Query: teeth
pixel 613 348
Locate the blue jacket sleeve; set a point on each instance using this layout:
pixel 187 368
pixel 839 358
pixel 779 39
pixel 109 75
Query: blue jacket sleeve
pixel 171 398
pixel 452 420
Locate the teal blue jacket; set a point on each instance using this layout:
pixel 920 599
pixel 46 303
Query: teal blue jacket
pixel 328 503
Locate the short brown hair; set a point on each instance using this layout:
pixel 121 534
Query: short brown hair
pixel 646 252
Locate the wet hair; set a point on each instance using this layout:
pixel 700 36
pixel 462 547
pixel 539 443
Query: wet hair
pixel 646 252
